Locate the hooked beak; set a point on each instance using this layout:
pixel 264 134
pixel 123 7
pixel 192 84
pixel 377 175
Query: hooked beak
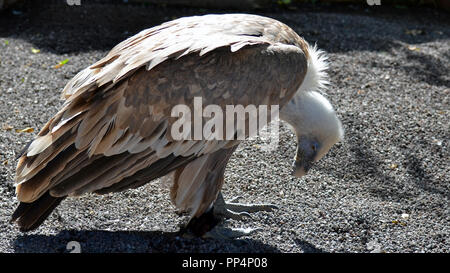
pixel 299 172
pixel 300 167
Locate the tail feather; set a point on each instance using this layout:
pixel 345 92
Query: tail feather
pixel 29 216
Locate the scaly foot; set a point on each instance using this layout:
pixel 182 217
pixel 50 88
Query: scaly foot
pixel 207 225
pixel 238 211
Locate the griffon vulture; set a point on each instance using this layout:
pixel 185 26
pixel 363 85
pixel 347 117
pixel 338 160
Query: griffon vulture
pixel 113 131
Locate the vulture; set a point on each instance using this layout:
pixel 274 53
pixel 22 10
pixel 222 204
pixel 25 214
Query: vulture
pixel 113 131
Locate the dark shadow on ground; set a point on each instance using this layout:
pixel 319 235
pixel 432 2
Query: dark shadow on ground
pixel 422 179
pixel 95 241
pixel 307 247
pixel 425 67
pixel 364 166
pixel 99 25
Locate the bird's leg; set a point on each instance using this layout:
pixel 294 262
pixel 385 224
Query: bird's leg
pixel 208 226
pixel 238 211
pixel 200 225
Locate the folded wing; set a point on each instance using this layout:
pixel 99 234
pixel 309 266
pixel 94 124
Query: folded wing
pixel 113 131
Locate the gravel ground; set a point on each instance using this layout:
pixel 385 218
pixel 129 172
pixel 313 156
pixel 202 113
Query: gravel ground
pixel 385 188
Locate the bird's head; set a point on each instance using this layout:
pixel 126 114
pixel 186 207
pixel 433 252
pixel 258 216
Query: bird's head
pixel 316 125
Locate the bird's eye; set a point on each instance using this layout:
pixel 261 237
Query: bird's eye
pixel 314 147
